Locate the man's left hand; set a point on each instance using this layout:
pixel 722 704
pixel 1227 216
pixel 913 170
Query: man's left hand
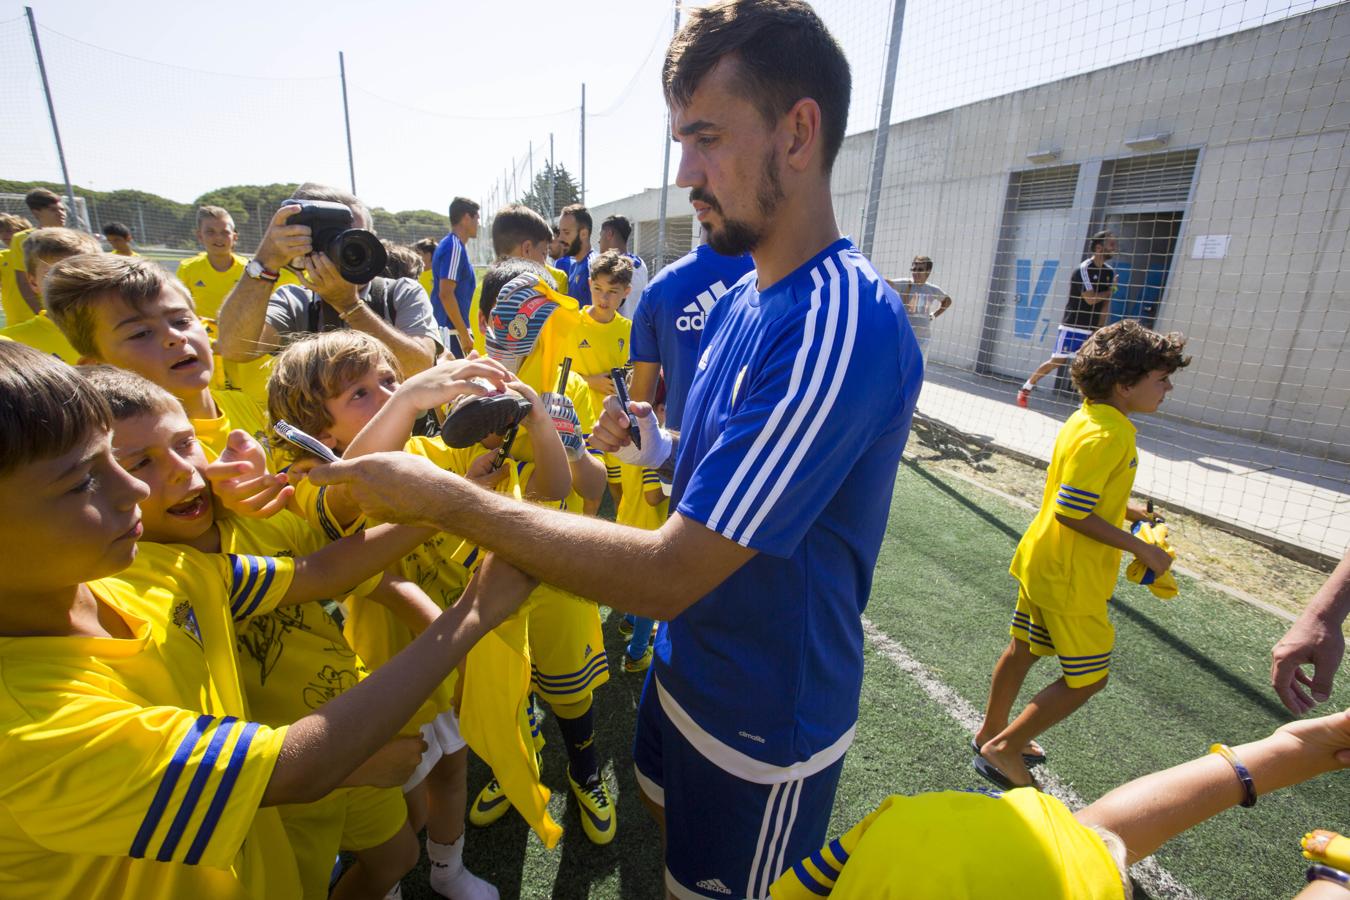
pixel 393 487
pixel 328 283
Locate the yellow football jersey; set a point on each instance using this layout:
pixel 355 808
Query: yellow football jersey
pixel 959 845
pixel 633 507
pixel 237 410
pixel 132 769
pixel 1091 472
pixel 208 286
pixel 596 348
pixel 16 308
pixel 41 333
pixel 426 280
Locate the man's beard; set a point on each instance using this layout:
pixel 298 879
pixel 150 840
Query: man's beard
pixel 737 236
pixel 575 247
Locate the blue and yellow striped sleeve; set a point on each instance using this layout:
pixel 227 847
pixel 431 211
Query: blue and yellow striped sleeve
pixel 1074 502
pixel 257 584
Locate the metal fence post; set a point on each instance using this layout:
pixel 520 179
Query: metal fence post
pixel 883 133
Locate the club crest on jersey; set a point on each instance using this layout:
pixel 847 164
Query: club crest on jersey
pixel 185 617
pixel 736 388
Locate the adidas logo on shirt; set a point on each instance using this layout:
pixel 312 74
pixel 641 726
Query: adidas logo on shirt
pixel 200 283
pixel 584 345
pixel 696 313
pixel 713 884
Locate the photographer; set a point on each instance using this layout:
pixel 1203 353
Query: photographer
pixel 257 314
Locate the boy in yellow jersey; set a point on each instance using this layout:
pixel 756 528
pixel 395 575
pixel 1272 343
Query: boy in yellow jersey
pixel 643 503
pixel 132 768
pixel 44 248
pixel 209 277
pixel 49 211
pixel 118 237
pixel 132 314
pixel 600 341
pixel 334 386
pixel 291 660
pixel 969 845
pixel 425 248
pixel 1066 564
pixel 13 305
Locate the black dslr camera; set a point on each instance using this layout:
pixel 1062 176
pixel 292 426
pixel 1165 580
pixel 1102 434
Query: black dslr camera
pixel 357 253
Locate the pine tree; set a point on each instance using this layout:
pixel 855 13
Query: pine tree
pixel 565 191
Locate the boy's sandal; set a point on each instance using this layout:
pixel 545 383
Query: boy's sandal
pixel 1030 759
pixel 994 775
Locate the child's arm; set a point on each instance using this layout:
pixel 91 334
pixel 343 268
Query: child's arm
pixel 443 383
pixel 601 383
pixel 1150 811
pixel 324 748
pixel 405 600
pixel 335 569
pixel 1097 528
pixel 552 478
pixel 589 478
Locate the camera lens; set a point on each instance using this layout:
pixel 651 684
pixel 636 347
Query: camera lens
pixel 359 255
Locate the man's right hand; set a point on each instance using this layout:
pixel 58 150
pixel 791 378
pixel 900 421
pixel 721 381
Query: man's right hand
pixel 393 487
pixel 1311 640
pixel 282 243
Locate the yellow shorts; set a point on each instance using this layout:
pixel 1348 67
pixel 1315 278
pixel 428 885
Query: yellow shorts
pixel 347 819
pixel 1082 642
pixel 567 648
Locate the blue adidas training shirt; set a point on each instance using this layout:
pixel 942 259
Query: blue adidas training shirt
pixel 792 436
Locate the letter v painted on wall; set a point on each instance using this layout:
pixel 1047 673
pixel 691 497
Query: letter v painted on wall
pixel 1030 302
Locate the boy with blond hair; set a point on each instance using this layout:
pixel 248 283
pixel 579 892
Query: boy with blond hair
pixel 1067 562
pixel 130 313
pixel 43 249
pixel 132 762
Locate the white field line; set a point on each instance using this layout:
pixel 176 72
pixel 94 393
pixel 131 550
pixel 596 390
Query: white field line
pixel 1150 875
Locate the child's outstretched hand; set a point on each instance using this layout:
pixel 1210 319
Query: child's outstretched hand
pixel 240 480
pixel 449 380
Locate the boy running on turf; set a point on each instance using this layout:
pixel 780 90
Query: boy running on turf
pixel 1067 562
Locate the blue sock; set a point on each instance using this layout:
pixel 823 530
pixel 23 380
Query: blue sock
pixel 642 632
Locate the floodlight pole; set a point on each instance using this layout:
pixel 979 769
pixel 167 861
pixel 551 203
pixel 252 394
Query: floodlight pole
pixel 51 111
pixel 660 259
pixel 552 182
pixel 883 133
pixel 583 143
pixel 347 119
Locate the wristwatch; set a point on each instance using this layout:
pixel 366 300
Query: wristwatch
pixel 255 269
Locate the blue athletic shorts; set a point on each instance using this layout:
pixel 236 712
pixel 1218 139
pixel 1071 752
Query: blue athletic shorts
pixel 725 837
pixel 1069 340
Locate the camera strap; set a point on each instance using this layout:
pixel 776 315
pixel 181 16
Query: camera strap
pixel 321 317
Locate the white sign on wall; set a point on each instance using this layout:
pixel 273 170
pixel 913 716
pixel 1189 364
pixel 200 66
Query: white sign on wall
pixel 1210 246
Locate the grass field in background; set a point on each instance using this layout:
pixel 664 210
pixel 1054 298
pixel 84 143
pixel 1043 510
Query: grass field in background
pixel 1185 674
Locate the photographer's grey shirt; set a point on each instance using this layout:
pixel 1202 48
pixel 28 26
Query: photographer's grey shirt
pixel 288 309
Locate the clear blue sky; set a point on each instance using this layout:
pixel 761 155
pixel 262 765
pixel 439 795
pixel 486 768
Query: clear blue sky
pixel 181 97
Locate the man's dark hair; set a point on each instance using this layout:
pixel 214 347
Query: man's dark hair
pixel 461 207
pixel 783 52
pixel 581 214
pixel 424 245
pixel 40 198
pixel 500 273
pixel 1122 354
pixel 312 190
pixel 116 229
pixel 1099 239
pixel 620 226
pixel 514 225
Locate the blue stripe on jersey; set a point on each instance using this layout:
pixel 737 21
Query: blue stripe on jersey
pixel 269 567
pixel 242 571
pixel 838 850
pixel 1079 491
pixel 167 782
pixel 572 680
pixel 808 881
pixel 817 362
pixel 1074 506
pixel 222 797
pixel 1087 658
pixel 468 560
pixel 825 868
pixel 1074 500
pixel 188 805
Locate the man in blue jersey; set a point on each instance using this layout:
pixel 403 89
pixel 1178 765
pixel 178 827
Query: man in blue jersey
pixel 792 433
pixel 453 279
pixel 574 227
pixel 668 323
pixel 614 234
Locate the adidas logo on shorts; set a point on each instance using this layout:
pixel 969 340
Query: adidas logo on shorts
pixel 713 884
pixel 696 313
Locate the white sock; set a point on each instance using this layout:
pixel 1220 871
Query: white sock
pixel 1027 385
pixel 449 877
